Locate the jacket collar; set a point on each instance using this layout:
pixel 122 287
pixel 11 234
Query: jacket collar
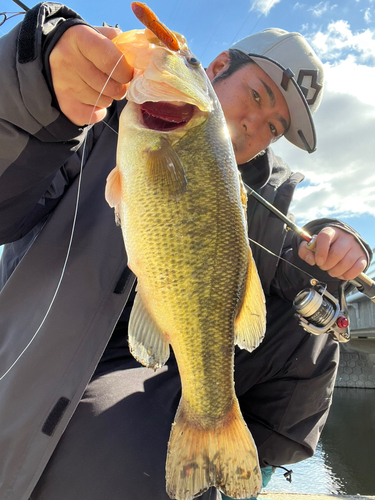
pixel 257 172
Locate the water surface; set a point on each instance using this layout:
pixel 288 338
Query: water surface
pixel 344 461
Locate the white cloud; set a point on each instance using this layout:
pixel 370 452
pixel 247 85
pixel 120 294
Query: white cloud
pixel 351 78
pixel 338 40
pixel 340 175
pixel 368 15
pixel 263 6
pixel 319 9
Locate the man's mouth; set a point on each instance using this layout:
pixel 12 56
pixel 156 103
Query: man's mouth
pixel 165 116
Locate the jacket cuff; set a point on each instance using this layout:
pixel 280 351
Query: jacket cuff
pixel 42 21
pixel 40 30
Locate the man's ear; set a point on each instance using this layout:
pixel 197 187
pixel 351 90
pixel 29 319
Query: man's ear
pixel 219 64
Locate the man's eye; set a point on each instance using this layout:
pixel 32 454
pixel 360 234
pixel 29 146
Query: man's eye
pixel 256 96
pixel 273 130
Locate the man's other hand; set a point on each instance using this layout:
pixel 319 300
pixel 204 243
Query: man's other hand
pixel 336 252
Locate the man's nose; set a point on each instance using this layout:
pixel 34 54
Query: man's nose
pixel 251 125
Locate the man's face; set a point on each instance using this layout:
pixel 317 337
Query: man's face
pixel 255 110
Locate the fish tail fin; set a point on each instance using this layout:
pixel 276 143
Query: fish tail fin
pixel 224 456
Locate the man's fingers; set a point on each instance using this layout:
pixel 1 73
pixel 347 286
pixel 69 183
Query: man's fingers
pixel 82 114
pixel 104 54
pixel 81 63
pixel 324 245
pixel 98 81
pixel 108 31
pixel 348 268
pixel 306 254
pixel 336 252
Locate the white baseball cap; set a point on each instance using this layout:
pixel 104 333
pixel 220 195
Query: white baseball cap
pixel 297 71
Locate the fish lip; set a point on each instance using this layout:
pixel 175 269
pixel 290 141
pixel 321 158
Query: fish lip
pixel 166 116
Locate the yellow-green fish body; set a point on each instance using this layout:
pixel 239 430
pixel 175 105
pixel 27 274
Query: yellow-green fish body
pixel 182 210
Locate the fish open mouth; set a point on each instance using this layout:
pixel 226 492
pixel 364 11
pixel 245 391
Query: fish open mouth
pixel 165 115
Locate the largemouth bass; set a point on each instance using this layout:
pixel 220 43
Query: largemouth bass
pixel 177 191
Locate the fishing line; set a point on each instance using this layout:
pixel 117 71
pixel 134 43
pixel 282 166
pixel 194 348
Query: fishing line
pixel 177 6
pixel 260 17
pixel 255 25
pixel 215 30
pixel 109 126
pixel 281 258
pixel 243 24
pixel 192 17
pixel 72 230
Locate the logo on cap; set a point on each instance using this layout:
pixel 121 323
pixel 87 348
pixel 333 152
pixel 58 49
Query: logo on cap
pixel 306 74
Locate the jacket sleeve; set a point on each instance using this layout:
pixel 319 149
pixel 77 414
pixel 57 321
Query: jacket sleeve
pixel 36 139
pixel 290 280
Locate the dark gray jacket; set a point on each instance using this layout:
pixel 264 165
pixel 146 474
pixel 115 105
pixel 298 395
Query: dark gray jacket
pixel 57 315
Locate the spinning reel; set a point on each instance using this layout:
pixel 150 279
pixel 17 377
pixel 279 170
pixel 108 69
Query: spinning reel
pixel 320 312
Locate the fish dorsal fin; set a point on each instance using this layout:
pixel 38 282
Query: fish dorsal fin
pixel 250 323
pixel 166 170
pixel 146 342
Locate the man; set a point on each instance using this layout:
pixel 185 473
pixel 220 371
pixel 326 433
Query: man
pixel 57 314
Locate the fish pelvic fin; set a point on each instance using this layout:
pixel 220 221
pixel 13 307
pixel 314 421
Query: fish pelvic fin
pixel 146 342
pixel 250 323
pixel 113 192
pixel 166 170
pixel 223 456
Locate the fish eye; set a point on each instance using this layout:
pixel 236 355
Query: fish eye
pixel 193 61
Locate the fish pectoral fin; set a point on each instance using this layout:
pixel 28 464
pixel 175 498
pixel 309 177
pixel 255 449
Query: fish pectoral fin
pixel 200 457
pixel 113 192
pixel 146 342
pixel 166 170
pixel 250 323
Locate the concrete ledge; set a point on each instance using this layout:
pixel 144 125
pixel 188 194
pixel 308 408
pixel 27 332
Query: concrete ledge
pixel 271 495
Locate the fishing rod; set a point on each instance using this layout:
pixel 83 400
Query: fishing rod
pixel 317 310
pixel 4 16
pixel 22 5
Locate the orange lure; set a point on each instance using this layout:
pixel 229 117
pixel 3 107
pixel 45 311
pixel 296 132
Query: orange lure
pixel 151 21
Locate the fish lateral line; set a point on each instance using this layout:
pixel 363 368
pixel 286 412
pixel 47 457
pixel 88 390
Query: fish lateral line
pixel 149 19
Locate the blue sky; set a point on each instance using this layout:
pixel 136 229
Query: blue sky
pixel 340 175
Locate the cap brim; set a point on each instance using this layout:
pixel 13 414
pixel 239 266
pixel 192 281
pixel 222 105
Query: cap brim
pixel 301 132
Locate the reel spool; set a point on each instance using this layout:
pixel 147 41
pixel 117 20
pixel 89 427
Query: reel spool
pixel 320 312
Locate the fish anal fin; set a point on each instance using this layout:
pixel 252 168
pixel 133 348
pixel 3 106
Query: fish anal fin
pixel 250 323
pixel 224 457
pixel 146 342
pixel 165 169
